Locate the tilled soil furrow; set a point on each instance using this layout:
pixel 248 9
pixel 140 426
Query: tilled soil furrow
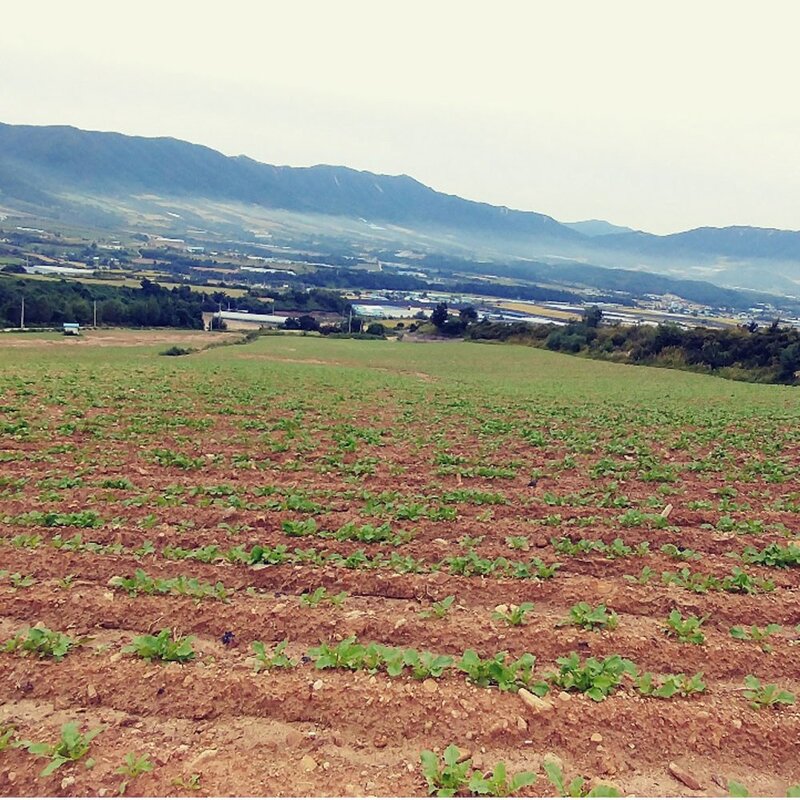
pixel 392 708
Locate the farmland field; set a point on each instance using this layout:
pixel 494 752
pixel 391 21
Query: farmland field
pixel 385 519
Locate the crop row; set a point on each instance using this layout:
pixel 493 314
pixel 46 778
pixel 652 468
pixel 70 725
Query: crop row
pixel 596 678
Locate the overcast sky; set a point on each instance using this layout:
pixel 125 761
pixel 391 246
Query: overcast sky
pixel 658 115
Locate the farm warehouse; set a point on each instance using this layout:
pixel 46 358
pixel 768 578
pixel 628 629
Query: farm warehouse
pixel 304 509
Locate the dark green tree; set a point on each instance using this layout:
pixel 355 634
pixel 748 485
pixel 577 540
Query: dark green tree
pixel 439 315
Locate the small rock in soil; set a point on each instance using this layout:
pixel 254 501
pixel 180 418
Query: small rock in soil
pixel 307 764
pixel 685 777
pixel 536 704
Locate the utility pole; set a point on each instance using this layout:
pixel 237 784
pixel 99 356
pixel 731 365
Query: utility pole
pixel 95 314
pixel 350 321
pixel 22 313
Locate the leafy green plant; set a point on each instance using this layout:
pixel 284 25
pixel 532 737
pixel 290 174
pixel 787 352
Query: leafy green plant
pixel 774 555
pixel 518 542
pixel 132 767
pixel 596 678
pixel 498 671
pixel 347 654
pixel 72 746
pixel 498 783
pixel 425 665
pixel 575 788
pixel 162 647
pixel 277 658
pixel 320 595
pixel 736 789
pixel 740 581
pixel 438 609
pixel 66 582
pixel 19 581
pixel 582 615
pixel 41 641
pixel 469 542
pixel 756 634
pixel 7 737
pixel 761 695
pixel 192 783
pixel 686 630
pixel 513 615
pixel 448 778
pixel 681 553
pixel 643 578
pixel 693 581
pixel 666 686
pixel 142 583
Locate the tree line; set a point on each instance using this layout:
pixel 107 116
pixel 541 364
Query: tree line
pixel 769 354
pixel 51 303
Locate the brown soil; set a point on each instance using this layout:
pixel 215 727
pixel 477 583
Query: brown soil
pixel 305 731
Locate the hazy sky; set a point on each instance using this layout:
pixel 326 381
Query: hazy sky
pixel 658 115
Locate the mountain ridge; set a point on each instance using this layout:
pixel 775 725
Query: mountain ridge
pixel 45 167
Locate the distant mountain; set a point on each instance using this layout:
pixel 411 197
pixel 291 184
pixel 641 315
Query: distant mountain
pixel 597 227
pixel 109 178
pixel 61 159
pixel 733 242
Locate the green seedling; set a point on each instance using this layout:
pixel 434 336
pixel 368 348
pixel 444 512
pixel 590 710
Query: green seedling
pixel 277 658
pixel 497 671
pixel 736 789
pixel 320 595
pixel 72 746
pixel 666 686
pixel 142 583
pixel 582 615
pixel 7 737
pixel 498 783
pixel 132 767
pixel 774 555
pixel 681 553
pixel 686 630
pixel 762 695
pixel 643 578
pixel 162 647
pixel 192 783
pixel 575 788
pixel 439 609
pixel 518 542
pixel 470 542
pixel 448 778
pixel 347 654
pixel 19 581
pixel 41 641
pixel 596 678
pixel 66 582
pixel 756 634
pixel 513 615
pixel 425 665
pixel 740 582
